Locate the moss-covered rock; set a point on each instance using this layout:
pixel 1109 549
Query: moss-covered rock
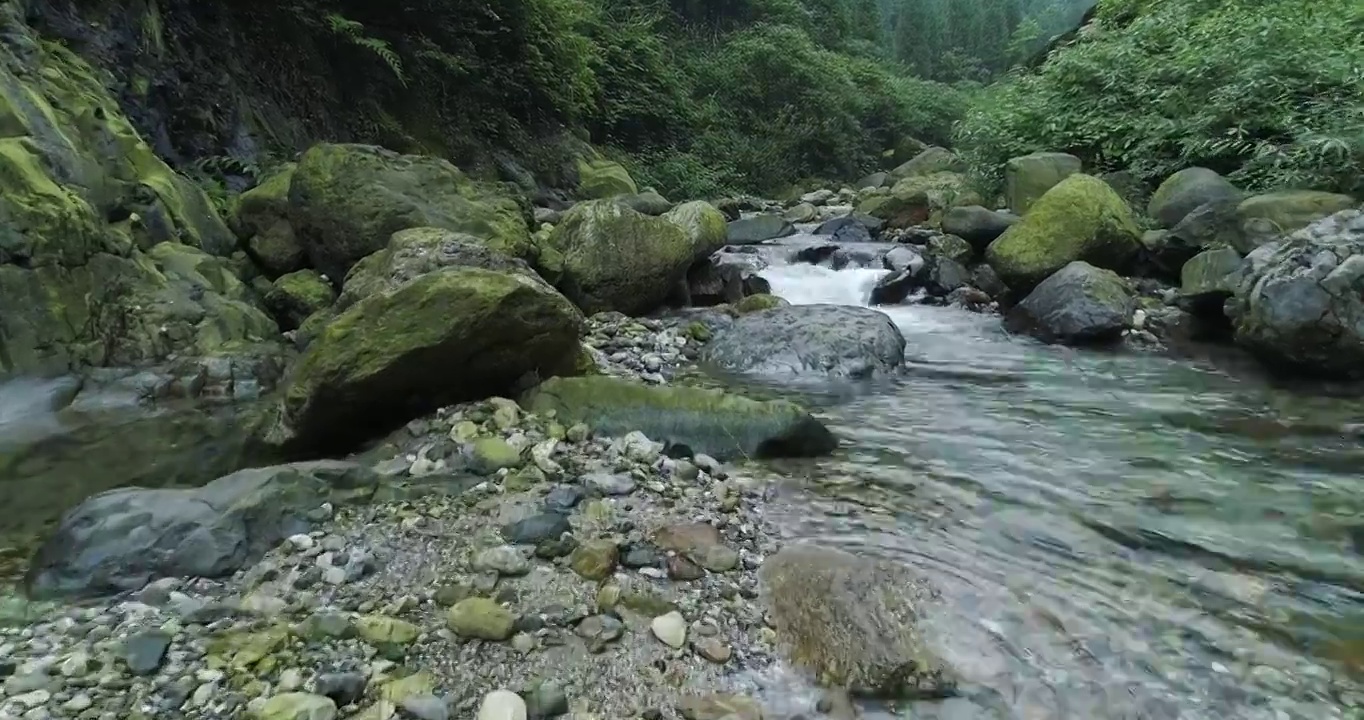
pixel 703 223
pixel 617 259
pixel 346 201
pixel 929 161
pixel 599 179
pixel 1271 215
pixel 82 200
pixel 801 213
pixel 1186 190
pixel 1208 279
pixel 756 303
pixel 1029 177
pixel 297 706
pixel 261 219
pixel 920 199
pixel 717 423
pixel 480 618
pixel 1082 218
pixel 451 335
pixel 297 295
pixel 648 202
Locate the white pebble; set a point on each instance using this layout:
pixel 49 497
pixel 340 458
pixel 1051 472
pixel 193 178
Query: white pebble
pixel 302 541
pixel 671 629
pixel 502 705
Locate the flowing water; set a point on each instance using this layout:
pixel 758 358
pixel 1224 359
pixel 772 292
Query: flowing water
pixel 1117 535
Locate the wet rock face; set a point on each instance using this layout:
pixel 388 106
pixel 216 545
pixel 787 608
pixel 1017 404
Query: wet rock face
pixel 121 539
pixel 1078 305
pixel 854 622
pixel 832 341
pixel 1299 304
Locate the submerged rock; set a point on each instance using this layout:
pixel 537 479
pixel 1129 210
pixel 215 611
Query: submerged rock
pixel 854 622
pixel 452 335
pixel 1079 304
pixel 712 422
pixel 834 341
pixel 121 539
pixel 1299 304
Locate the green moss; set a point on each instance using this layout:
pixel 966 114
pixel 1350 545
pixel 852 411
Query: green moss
pixel 920 199
pixel 755 303
pixel 1029 177
pixel 294 297
pixel 1081 218
pixel 699 332
pixel 618 259
pixel 1291 210
pixel 599 179
pixel 703 223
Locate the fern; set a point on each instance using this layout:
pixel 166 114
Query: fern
pixel 355 33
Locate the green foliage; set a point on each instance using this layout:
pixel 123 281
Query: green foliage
pixel 1270 92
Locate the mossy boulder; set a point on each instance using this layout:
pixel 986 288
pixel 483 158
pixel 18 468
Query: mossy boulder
pixel 1082 218
pixel 346 201
pixel 617 259
pixel 480 618
pixel 648 202
pixel 82 200
pixel 801 213
pixel 295 296
pixel 977 225
pixel 1208 279
pixel 757 228
pixel 703 223
pixel 1029 177
pixel 297 706
pixel 1272 215
pixel 1185 190
pixel 261 219
pixel 920 199
pixel 452 335
pixel 929 161
pixel 599 179
pixel 759 302
pixel 708 421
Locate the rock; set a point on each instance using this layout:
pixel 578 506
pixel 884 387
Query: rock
pixel 118 540
pixel 546 700
pixel 758 303
pixel 700 542
pixel 719 706
pixel 415 252
pixel 502 705
pixel 951 247
pixel 977 225
pixel 609 483
pixel 1079 219
pixel 920 199
pixel 1184 191
pixel 704 225
pixel 480 618
pixel 854 622
pixel 929 161
pixel 1264 218
pixel 1297 304
pixel 599 179
pixel 757 229
pixel 390 356
pixel 710 283
pixel 298 706
pixel 536 528
pixel 595 559
pixel 425 707
pixel 503 560
pixel 987 280
pixel 825 340
pixel 846 227
pixel 488 455
pixel 617 259
pixel 713 650
pixel 648 202
pixel 384 630
pixel 295 296
pixel 344 688
pixel 144 652
pixel 874 180
pixel 563 498
pixel 671 629
pixel 713 422
pixel 346 201
pixel 802 213
pixel 1079 304
pixel 261 218
pixel 1207 281
pixel 1029 177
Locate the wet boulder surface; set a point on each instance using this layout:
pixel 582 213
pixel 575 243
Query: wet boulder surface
pixel 809 341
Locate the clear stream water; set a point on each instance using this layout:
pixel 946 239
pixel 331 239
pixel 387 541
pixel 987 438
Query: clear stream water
pixel 1117 536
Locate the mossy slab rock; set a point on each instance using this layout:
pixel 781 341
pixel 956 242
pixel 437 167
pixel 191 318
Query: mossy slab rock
pixel 1029 177
pixel 451 335
pixel 599 179
pixel 292 298
pixel 1082 218
pixel 617 259
pixel 704 225
pixel 713 422
pixel 83 199
pixel 929 161
pixel 1276 214
pixel 261 219
pixel 346 201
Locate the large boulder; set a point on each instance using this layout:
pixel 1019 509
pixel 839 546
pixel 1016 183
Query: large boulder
pixel 452 335
pixel 929 161
pixel 600 179
pixel 1207 281
pixel 758 228
pixel 617 259
pixel 717 423
pixel 1082 218
pixel 1185 190
pixel 345 201
pixel 920 199
pixel 825 341
pixel 1299 303
pixel 83 201
pixel 856 623
pixel 121 539
pixel 1078 305
pixel 1265 217
pixel 261 219
pixel 703 223
pixel 977 225
pixel 293 297
pixel 1029 177
pixel 648 202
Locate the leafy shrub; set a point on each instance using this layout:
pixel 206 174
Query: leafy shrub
pixel 1270 92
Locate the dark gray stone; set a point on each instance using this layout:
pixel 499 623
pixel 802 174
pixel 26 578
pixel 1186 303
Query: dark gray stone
pixel 546 700
pixel 1207 280
pixel 977 225
pixel 536 529
pixel 833 341
pixel 759 228
pixel 563 498
pixel 1187 189
pixel 144 652
pixel 344 688
pixel 121 539
pixel 1077 305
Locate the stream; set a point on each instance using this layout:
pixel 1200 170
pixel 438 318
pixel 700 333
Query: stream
pixel 1116 535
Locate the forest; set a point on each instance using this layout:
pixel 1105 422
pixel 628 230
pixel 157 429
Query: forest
pixel 701 98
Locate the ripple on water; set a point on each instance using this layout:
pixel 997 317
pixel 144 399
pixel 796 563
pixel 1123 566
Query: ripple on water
pixel 1118 535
